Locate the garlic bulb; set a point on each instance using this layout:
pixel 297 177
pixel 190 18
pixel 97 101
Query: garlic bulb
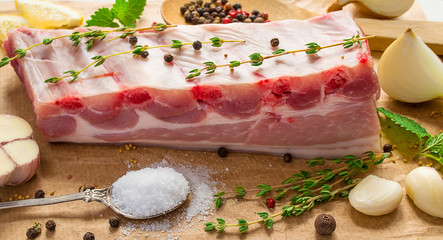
pixel 376 196
pixel 19 153
pixel 379 8
pixel 409 71
pixel 425 187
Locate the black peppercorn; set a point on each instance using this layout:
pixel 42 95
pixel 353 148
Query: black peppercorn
pixel 259 20
pixel 188 18
pixel 224 2
pixel 114 222
pixel 235 20
pixel 324 224
pixel 197 45
pixel 387 147
pixel 194 20
pixel 275 42
pixel 252 17
pixel 222 152
pixel 200 11
pixel 183 9
pixel 236 6
pixel 168 57
pixel 206 4
pixel 240 17
pixel 89 236
pixel 255 12
pixel 39 194
pixel 219 9
pixel 133 40
pixel 214 14
pixel 206 14
pixel 287 157
pixel 144 54
pixel 199 2
pixel 191 8
pixel 222 15
pixel 50 225
pixel 32 233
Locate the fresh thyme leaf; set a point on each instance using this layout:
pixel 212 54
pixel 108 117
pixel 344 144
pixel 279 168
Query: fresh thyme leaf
pixel 263 215
pixel 278 51
pixel 47 41
pixel 264 189
pixel 312 48
pixel 211 67
pixel 216 42
pixel 103 17
pixel 405 122
pixel 240 190
pixel 256 59
pixel 193 73
pixel 52 80
pixel 243 225
pixel 234 63
pixel 210 226
pixel 177 44
pixel 100 60
pixel 4 61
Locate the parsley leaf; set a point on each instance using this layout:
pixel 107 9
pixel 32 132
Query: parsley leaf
pixel 405 122
pixel 126 12
pixel 103 17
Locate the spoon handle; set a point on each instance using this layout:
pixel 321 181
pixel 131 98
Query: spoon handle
pixel 86 196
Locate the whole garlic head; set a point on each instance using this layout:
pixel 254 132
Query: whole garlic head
pixel 376 196
pixel 425 187
pixel 409 71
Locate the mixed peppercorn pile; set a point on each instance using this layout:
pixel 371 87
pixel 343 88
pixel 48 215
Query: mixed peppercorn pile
pixel 219 11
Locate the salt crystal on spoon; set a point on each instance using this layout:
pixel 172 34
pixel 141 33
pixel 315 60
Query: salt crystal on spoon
pixel 149 191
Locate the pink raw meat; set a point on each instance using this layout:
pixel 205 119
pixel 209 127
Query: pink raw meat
pixel 307 105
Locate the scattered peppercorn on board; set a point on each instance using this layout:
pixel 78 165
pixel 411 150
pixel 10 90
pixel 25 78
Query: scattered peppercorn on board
pixel 66 168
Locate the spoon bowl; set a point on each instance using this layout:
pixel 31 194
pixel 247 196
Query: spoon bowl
pixel 103 196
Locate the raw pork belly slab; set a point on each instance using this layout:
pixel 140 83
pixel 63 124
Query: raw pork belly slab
pixel 306 105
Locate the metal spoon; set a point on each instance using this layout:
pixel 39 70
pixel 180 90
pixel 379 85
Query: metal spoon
pixel 94 195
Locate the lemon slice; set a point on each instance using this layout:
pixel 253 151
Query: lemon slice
pixel 47 15
pixel 10 21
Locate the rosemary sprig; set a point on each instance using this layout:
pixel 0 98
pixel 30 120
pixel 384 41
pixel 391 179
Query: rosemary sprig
pixel 256 59
pixel 92 36
pixel 99 60
pixel 311 188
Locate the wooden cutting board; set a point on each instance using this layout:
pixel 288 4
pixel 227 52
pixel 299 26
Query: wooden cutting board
pixel 386 31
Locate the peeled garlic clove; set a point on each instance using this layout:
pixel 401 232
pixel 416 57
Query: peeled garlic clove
pixel 376 196
pixel 379 8
pixel 409 71
pixel 425 187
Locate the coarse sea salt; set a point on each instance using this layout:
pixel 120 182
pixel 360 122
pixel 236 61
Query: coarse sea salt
pixel 150 191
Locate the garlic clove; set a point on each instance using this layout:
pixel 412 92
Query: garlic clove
pixel 25 154
pixel 7 167
pixel 378 8
pixel 409 71
pixel 376 196
pixel 13 127
pixel 425 187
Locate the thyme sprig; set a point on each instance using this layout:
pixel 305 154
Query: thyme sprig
pixel 137 51
pixel 92 36
pixel 256 59
pixel 311 188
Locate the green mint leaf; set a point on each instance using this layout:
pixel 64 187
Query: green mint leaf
pixel 435 145
pixel 405 122
pixel 103 17
pixel 128 12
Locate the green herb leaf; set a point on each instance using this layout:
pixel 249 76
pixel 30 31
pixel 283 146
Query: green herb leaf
pixel 209 226
pixel 103 17
pixel 211 67
pixel 264 189
pixel 435 145
pixel 240 190
pixel 128 12
pixel 278 51
pixel 269 223
pixel 47 41
pixel 243 225
pixel 52 80
pixel 263 215
pixel 405 122
pixel 312 48
pixel 234 63
pixel 193 73
pixel 216 42
pixel 257 59
pixel 176 44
